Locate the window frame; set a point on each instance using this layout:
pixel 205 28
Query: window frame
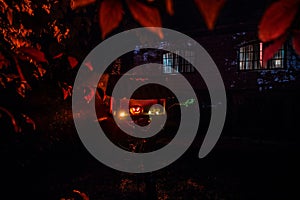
pixel 176 64
pixel 257 58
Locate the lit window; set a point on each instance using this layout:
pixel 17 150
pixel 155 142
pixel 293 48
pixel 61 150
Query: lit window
pixel 251 58
pixel 168 63
pixel 173 63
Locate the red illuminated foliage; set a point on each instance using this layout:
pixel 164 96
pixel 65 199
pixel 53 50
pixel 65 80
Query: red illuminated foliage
pixel 82 195
pixel 66 89
pixel 34 54
pixel 39 72
pixel 58 56
pixel 170 7
pixel 72 61
pixel 210 10
pixel 74 4
pixel 17 128
pixel 89 65
pixel 277 19
pixel 272 48
pixel 22 36
pixel 275 25
pixel 10 16
pixel 147 16
pixel 296 41
pixel 110 15
pixel 89 94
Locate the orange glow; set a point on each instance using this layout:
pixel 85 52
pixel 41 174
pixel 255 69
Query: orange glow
pixel 135 110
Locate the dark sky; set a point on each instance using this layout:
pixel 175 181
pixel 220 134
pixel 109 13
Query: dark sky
pixel 235 13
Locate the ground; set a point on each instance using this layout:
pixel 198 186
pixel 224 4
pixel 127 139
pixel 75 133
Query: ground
pixel 50 165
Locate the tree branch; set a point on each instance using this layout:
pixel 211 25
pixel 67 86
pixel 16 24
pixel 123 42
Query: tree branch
pixel 17 129
pixel 22 77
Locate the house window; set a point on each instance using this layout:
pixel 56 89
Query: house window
pixel 168 63
pixel 251 58
pixel 173 63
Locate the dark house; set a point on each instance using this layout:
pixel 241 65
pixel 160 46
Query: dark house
pixel 262 99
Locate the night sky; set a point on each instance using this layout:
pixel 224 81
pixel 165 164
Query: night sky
pixel 234 13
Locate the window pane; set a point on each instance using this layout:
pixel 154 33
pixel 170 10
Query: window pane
pixel 251 57
pixel 167 63
pixel 173 63
pixel 278 60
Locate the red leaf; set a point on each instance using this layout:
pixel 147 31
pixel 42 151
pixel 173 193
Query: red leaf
pixel 66 89
pixel 147 16
pixel 30 121
pixel 22 90
pixel 58 56
pixel 170 7
pixel 65 93
pixel 89 65
pixel 10 16
pixel 41 71
pixel 296 41
pixel 210 10
pixel 277 19
pixel 89 94
pixel 270 50
pixel 72 61
pixel 111 14
pixel 74 4
pixel 17 128
pixel 34 54
pixel 82 194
